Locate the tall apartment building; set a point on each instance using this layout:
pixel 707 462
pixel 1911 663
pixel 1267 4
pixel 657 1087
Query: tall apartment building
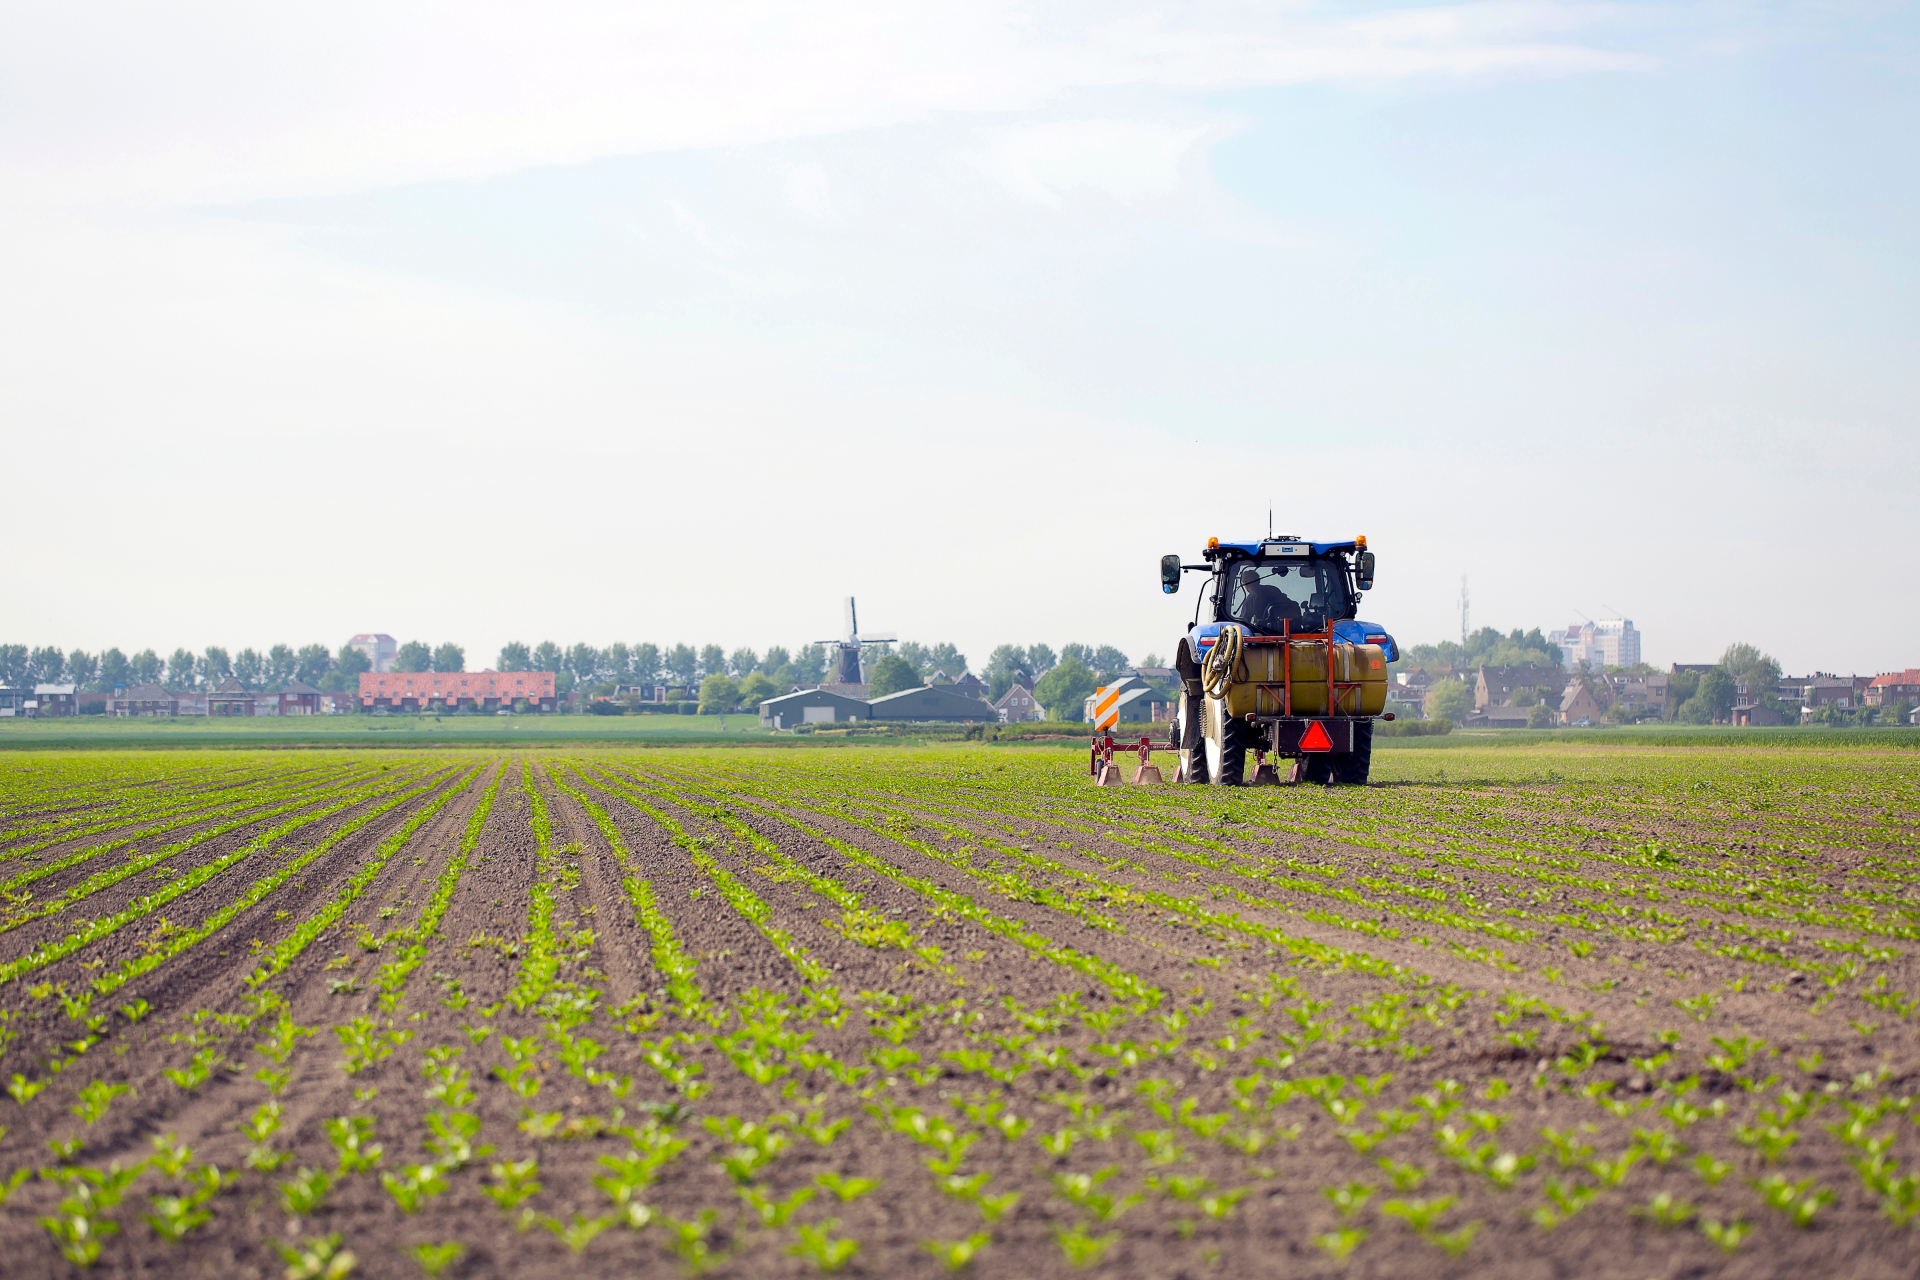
pixel 1613 643
pixel 381 650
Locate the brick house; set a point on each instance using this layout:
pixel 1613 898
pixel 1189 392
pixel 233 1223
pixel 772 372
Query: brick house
pixel 1017 706
pixel 455 690
pixel 1579 705
pixel 1497 686
pixel 142 700
pixel 1885 690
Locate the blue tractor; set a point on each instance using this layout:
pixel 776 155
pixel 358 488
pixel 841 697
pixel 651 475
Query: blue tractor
pixel 1275 663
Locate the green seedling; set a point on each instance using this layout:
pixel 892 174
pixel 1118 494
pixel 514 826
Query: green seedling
pixel 305 1191
pixel 96 1098
pixel 1565 1200
pixel 1081 1249
pixel 23 1089
pixel 513 1182
pixel 1666 1211
pixel 1082 1189
pixel 435 1258
pixel 579 1232
pixel 1339 1245
pixel 414 1185
pixel 1710 1169
pixel 955 1254
pixel 1729 1235
pixel 1349 1198
pixel 78 1236
pixel 174 1216
pixel 352 1138
pixel 1794 1199
pixel 771 1212
pixel 1406 1177
pixel 317 1258
pixel 689 1240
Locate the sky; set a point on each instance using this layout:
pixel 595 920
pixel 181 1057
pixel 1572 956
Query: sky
pixel 585 322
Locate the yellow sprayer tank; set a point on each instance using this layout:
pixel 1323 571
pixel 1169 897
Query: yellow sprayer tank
pixel 1259 683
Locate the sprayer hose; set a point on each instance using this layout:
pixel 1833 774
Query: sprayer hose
pixel 1216 669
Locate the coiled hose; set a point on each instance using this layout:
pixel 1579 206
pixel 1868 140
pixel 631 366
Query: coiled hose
pixel 1216 669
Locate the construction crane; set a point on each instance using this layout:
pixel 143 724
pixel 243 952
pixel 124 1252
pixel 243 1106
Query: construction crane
pixel 846 662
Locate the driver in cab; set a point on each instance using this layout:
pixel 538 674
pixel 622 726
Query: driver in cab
pixel 1260 605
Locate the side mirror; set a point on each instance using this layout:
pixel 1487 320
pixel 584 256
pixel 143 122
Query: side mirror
pixel 1364 571
pixel 1169 574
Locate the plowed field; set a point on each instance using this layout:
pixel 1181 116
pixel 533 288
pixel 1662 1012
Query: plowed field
pixel 1539 1012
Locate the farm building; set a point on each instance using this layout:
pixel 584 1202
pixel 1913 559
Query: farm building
pixel 293 699
pixel 455 690
pixel 811 706
pixel 930 702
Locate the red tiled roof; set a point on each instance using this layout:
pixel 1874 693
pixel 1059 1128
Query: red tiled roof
pixel 1910 676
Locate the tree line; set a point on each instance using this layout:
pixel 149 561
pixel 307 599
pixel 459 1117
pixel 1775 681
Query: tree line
pixel 737 677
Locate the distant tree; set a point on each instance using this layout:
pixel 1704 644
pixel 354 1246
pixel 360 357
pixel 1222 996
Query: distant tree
pixel 618 663
pixel 82 667
pixel 1896 712
pixel 756 689
pixel 351 661
pixel 313 663
pixel 1081 653
pixel 774 659
pixel 1064 690
pixel 742 663
pixel 449 657
pixel 646 662
pixel 1540 716
pixel 180 669
pixel 115 670
pixel 718 693
pixel 1715 695
pixel 215 666
pixel 809 664
pixel 414 655
pixel 46 666
pixel 890 675
pixel 1754 669
pixel 1006 657
pixel 281 665
pixel 13 664
pixel 514 656
pixel 583 663
pixel 999 680
pixel 1485 647
pixel 1109 661
pixel 713 660
pixel 1449 700
pixel 1040 659
pixel 683 664
pixel 1152 660
pixel 145 667
pixel 347 669
pixel 548 657
pixel 914 654
pixel 248 666
pixel 945 657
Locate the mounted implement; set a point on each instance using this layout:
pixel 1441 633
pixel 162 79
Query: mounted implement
pixel 1275 663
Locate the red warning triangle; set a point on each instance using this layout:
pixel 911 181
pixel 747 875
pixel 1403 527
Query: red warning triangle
pixel 1315 738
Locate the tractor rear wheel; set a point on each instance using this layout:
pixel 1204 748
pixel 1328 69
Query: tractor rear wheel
pixel 1228 758
pixel 1317 769
pixel 1351 768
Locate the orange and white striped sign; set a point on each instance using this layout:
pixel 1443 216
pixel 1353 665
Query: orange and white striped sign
pixel 1106 707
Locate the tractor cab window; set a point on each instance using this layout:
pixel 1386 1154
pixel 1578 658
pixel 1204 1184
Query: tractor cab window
pixel 1263 595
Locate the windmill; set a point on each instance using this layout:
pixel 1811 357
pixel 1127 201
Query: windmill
pixel 844 657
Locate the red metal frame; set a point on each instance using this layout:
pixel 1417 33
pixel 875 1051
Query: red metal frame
pixel 1102 753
